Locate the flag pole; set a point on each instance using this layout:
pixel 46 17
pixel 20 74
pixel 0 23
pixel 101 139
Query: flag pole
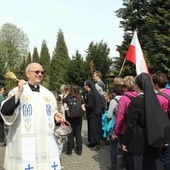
pixel 122 66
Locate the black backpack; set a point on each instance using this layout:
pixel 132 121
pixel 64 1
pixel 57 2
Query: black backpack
pixel 168 98
pixel 103 102
pixel 74 105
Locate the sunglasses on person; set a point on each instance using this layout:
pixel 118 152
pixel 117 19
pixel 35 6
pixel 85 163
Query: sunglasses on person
pixel 38 72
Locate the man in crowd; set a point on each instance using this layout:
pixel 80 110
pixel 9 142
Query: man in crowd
pixel 99 84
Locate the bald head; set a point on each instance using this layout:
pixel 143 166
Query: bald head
pixel 34 73
pixel 30 66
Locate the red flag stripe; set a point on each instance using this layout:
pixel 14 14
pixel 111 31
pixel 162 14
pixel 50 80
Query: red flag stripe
pixel 131 54
pixel 135 55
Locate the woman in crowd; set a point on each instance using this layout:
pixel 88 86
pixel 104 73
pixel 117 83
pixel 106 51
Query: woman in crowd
pixel 112 111
pixel 129 93
pixel 75 122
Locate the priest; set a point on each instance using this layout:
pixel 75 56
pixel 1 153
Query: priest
pixel 31 110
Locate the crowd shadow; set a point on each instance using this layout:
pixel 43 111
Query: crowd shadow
pixel 99 157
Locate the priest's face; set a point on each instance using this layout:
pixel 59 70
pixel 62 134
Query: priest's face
pixel 35 73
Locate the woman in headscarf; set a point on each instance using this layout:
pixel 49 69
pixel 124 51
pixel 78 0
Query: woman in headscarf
pixel 147 128
pixel 93 112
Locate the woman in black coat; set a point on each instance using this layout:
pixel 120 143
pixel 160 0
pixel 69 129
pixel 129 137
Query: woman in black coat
pixel 146 125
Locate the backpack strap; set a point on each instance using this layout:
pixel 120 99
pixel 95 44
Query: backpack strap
pixel 102 85
pixel 164 95
pixel 168 98
pixel 116 100
pixel 129 96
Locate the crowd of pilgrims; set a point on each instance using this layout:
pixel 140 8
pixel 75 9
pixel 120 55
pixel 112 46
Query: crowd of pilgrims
pixel 126 118
pixel 128 122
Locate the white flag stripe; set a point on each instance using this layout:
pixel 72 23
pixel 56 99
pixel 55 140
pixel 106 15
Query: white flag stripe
pixel 140 61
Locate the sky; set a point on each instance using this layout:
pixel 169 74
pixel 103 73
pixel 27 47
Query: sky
pixel 82 21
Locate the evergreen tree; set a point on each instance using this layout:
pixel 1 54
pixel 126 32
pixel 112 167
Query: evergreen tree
pixel 132 14
pixel 78 70
pixel 156 33
pixel 21 73
pixel 45 62
pixel 151 19
pixel 2 64
pixel 59 63
pixel 99 54
pixel 35 56
pixel 28 60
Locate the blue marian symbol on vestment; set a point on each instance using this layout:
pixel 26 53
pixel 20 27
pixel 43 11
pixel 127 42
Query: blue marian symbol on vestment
pixel 48 111
pixel 27 110
pixel 27 113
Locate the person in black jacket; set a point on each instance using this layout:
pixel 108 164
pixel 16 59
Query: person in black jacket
pixel 145 128
pixel 93 105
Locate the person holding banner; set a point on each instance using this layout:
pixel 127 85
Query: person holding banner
pixel 30 110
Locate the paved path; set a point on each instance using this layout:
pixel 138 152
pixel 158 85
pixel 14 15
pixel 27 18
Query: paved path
pixel 90 160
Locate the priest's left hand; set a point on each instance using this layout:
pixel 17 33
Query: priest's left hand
pixel 59 118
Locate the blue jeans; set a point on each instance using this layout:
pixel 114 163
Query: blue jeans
pixel 166 158
pixel 113 152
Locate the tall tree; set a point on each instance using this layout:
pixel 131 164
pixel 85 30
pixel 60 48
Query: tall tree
pixel 45 62
pixel 155 35
pixel 132 14
pixel 151 18
pixel 59 63
pixel 35 55
pixel 78 70
pixel 14 43
pixel 28 60
pixel 99 54
pixel 2 64
pixel 21 73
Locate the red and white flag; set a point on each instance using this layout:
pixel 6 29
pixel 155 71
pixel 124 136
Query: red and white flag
pixel 135 55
